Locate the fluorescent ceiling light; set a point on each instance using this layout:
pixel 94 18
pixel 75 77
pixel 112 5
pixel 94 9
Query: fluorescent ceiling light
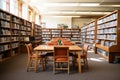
pixel 100 12
pixel 70 4
pixel 62 12
pixel 115 5
pixel 93 12
pixel 64 16
pixel 60 4
pixel 68 12
pixel 54 12
pixel 82 12
pixel 89 4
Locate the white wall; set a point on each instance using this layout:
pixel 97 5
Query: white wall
pixel 81 21
pixel 51 22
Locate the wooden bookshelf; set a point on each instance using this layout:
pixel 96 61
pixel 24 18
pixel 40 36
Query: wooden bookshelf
pixel 83 34
pixel 37 34
pixel 55 33
pixel 23 29
pixel 88 33
pixel 108 36
pixel 46 35
pixel 25 33
pixel 66 33
pixel 9 35
pixel 71 34
pixel 13 34
pixel 75 36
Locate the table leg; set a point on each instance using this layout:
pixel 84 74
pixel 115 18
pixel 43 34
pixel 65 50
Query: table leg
pixel 36 61
pixel 79 62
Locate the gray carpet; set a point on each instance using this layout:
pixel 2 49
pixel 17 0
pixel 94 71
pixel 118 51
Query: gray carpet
pixel 99 69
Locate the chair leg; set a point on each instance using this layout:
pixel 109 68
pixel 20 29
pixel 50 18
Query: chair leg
pixel 86 62
pixel 68 68
pixel 28 64
pixel 54 66
pixel 41 63
pixel 74 61
pixel 44 63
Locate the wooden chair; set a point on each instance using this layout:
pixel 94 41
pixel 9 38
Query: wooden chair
pixel 61 56
pixel 68 43
pixel 71 54
pixel 52 43
pixel 84 55
pixel 32 57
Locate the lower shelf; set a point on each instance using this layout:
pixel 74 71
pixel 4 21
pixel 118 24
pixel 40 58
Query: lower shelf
pixel 7 58
pixel 105 57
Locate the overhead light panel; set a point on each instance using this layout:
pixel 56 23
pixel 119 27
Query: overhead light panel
pixel 89 4
pixel 72 12
pixel 60 4
pixel 65 16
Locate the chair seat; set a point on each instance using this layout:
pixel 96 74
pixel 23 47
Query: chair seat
pixel 61 59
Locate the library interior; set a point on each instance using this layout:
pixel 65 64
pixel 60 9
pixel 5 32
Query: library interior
pixel 54 36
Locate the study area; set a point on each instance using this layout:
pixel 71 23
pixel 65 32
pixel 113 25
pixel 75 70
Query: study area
pixel 59 39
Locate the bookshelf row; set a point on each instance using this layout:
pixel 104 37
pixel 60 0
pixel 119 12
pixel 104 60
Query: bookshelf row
pixel 14 32
pixel 71 34
pixel 88 33
pixel 104 35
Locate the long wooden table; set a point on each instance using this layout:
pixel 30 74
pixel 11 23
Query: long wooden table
pixel 73 48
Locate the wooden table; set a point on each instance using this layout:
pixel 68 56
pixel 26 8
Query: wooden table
pixel 73 48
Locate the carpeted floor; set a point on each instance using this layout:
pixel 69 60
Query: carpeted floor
pixel 99 69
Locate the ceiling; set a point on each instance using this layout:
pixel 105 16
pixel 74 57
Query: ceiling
pixel 74 8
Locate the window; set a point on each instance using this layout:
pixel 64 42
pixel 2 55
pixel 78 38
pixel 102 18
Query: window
pixel 14 7
pixel 24 11
pixel 37 19
pixel 3 4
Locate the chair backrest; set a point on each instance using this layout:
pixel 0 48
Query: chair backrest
pixel 61 52
pixel 63 39
pixel 29 49
pixel 68 43
pixel 85 49
pixel 52 43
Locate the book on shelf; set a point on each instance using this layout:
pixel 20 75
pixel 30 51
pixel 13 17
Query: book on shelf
pixel 14 45
pixel 4 16
pixel 112 43
pixel 102 42
pixel 1 48
pixel 6 47
pixel 1 31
